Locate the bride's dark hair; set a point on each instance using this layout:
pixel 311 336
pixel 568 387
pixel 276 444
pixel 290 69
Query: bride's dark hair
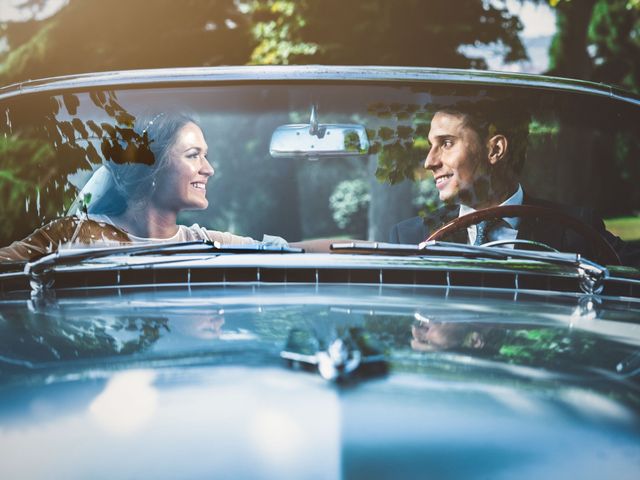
pixel 135 163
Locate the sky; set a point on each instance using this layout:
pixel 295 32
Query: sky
pixel 538 20
pixel 539 27
pixel 10 12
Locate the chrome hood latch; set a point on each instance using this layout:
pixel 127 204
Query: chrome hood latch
pixel 591 277
pixel 335 357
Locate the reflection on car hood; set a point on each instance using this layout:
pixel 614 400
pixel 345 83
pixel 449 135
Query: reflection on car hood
pixel 186 383
pixel 241 320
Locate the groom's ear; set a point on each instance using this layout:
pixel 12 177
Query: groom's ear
pixel 497 147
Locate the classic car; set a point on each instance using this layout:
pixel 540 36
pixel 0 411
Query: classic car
pixel 327 347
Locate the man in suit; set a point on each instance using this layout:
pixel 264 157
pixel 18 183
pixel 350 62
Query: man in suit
pixel 475 157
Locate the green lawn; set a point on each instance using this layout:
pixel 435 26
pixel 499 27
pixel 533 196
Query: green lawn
pixel 627 228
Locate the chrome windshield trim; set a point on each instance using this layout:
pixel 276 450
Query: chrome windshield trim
pixel 272 73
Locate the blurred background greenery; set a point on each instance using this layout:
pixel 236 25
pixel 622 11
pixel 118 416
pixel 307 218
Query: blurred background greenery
pixel 594 39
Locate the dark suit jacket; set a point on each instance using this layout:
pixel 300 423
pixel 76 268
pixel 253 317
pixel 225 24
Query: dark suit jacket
pixel 417 229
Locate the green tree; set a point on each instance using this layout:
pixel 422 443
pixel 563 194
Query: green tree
pixel 597 40
pixel 569 56
pixel 94 35
pixel 349 202
pixel 614 33
pixel 380 32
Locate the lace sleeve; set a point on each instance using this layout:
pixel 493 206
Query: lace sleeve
pixel 65 232
pixel 226 238
pixel 42 241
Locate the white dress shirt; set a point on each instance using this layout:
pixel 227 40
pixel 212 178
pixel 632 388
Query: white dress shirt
pixel 508 231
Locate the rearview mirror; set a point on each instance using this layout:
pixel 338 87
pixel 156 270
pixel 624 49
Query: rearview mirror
pixel 316 140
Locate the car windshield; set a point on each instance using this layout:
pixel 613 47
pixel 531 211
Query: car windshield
pixel 299 161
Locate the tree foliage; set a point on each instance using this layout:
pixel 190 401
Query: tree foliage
pixel 614 33
pixel 598 40
pixel 349 203
pixel 94 35
pixel 45 143
pixel 380 32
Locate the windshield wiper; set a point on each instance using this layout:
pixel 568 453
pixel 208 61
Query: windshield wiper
pixel 591 274
pixel 435 247
pixel 77 255
pixel 38 269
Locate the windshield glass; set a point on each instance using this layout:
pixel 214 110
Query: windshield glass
pixel 234 163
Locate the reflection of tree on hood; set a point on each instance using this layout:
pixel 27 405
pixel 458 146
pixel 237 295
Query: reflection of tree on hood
pixel 36 338
pixel 547 347
pixel 555 346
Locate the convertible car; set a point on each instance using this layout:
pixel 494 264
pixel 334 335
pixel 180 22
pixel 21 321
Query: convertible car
pixel 319 341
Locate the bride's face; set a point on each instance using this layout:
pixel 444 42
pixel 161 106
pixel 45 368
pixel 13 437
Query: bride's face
pixel 182 185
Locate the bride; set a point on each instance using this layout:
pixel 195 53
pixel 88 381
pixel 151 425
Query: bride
pixel 163 170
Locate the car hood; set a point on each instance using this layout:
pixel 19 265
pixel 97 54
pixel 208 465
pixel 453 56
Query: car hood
pixel 171 383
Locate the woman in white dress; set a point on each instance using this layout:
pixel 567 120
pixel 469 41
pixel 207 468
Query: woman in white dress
pixel 162 171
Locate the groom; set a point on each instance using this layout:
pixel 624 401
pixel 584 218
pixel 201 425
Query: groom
pixel 475 158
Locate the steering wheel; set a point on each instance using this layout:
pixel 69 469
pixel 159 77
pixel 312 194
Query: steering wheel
pixel 603 251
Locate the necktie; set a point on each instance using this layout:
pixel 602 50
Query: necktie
pixel 484 229
pixel 482 232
